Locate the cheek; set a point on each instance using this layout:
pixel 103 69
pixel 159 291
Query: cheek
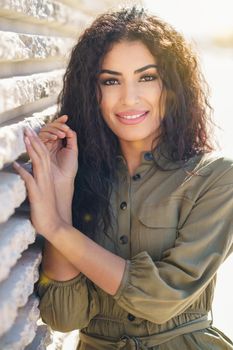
pixel 109 99
pixel 104 107
pixel 163 104
pixel 151 92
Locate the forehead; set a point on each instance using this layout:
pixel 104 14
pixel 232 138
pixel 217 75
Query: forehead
pixel 125 54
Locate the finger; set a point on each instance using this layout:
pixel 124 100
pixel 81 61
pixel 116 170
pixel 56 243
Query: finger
pixel 63 118
pixel 39 155
pixel 54 129
pixel 35 159
pixel 71 140
pixel 47 136
pixel 30 149
pixel 51 135
pixel 27 178
pixel 36 149
pixel 60 126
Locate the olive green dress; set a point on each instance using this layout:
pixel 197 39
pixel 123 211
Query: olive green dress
pixel 174 228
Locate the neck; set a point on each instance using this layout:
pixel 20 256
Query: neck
pixel 131 151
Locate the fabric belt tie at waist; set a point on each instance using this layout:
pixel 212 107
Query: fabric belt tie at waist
pixel 144 343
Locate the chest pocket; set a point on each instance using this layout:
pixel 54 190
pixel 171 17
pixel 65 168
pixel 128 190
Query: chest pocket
pixel 158 226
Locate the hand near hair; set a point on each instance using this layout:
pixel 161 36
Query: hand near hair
pixel 40 186
pixel 64 159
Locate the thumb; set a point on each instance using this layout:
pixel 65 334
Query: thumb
pixel 62 118
pixel 71 140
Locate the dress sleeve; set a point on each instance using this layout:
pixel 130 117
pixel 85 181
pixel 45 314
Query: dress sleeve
pixel 160 290
pixel 67 305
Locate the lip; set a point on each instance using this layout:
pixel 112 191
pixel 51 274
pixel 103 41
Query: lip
pixel 130 112
pixel 132 121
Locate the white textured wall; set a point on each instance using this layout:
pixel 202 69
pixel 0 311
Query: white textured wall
pixel 35 40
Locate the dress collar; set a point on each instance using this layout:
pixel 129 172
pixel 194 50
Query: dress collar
pixel 159 156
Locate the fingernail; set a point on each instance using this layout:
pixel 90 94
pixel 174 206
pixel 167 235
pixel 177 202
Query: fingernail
pixel 28 131
pixel 27 141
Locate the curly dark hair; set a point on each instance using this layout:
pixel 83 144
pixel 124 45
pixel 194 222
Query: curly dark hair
pixel 183 128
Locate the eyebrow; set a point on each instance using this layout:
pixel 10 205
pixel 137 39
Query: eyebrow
pixel 139 70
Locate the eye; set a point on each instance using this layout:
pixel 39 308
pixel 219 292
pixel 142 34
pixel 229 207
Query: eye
pixel 148 77
pixel 109 82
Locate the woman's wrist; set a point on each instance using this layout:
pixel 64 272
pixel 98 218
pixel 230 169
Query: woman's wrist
pixel 64 192
pixel 64 205
pixel 64 185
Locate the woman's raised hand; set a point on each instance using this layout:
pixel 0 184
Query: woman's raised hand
pixel 64 159
pixel 40 186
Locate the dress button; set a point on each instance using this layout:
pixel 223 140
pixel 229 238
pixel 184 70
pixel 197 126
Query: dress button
pixel 136 177
pixel 148 156
pixel 123 205
pixel 124 239
pixel 131 317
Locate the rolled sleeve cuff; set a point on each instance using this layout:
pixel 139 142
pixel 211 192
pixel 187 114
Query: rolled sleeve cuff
pixel 124 281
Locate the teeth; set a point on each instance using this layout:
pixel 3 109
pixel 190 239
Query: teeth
pixel 133 116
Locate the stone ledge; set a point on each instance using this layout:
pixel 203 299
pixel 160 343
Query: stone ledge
pixel 24 329
pixel 18 91
pixel 12 194
pixel 15 290
pixel 16 46
pixel 91 7
pixel 11 137
pixel 15 236
pixel 50 12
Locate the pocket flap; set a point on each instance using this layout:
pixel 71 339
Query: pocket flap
pixel 162 215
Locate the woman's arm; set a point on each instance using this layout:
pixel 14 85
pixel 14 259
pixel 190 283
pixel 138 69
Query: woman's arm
pixel 64 167
pixel 54 264
pixel 99 265
pixel 102 267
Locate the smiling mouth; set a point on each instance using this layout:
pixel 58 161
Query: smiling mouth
pixel 133 116
pixel 132 119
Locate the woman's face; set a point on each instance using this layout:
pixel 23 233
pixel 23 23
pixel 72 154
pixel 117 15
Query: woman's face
pixel 131 90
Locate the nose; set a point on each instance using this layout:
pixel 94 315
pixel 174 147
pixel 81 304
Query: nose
pixel 129 95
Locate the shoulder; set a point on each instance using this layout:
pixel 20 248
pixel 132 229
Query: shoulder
pixel 215 166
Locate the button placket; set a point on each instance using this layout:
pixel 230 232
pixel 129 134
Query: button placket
pixel 124 239
pixel 131 317
pixel 124 218
pixel 136 177
pixel 123 205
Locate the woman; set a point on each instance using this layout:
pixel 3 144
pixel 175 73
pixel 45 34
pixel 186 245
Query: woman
pixel 134 266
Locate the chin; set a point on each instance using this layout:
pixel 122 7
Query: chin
pixel 132 138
